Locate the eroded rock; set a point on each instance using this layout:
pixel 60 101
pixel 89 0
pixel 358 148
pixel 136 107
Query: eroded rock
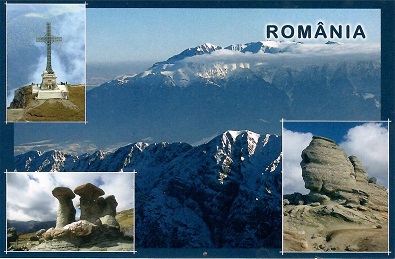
pixel 80 228
pixel 326 167
pixel 98 229
pixel 344 204
pixel 361 174
pixel 89 206
pixel 66 210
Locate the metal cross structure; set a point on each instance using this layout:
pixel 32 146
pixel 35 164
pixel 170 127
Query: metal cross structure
pixel 48 39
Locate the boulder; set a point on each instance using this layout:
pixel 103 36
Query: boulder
pixel 40 232
pixel 128 233
pixel 80 228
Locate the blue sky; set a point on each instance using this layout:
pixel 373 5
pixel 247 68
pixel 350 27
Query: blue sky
pixel 135 34
pixel 366 140
pixel 332 130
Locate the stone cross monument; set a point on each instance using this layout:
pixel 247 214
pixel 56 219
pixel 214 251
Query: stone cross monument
pixel 49 77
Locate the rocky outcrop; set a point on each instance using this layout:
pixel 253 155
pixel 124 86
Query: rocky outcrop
pixel 326 168
pixel 12 235
pixel 345 210
pixel 96 229
pixel 20 97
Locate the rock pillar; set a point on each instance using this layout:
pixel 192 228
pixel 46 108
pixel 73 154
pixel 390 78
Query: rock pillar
pixel 66 210
pixel 108 210
pixel 89 195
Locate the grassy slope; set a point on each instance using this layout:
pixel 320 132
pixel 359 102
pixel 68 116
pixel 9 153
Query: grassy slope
pixel 57 111
pixel 125 218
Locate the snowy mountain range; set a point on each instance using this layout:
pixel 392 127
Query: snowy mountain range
pixel 225 193
pixel 203 91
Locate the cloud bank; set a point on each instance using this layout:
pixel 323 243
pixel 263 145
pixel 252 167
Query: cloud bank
pixel 311 54
pixel 293 145
pixel 369 142
pixel 29 195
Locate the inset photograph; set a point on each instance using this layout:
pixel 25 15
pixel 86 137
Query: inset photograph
pixel 70 211
pixel 335 186
pixel 46 62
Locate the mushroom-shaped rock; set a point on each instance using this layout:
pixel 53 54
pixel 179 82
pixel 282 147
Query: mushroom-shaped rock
pixel 89 195
pixel 66 210
pixel 89 190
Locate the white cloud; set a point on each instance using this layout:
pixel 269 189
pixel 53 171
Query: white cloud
pixel 293 145
pixel 68 56
pixel 312 54
pixel 29 195
pixel 35 15
pixel 369 142
pixel 73 148
pixel 51 11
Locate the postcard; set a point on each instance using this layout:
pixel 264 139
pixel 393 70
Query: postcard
pixel 216 106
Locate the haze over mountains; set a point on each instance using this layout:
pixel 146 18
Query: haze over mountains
pixel 203 91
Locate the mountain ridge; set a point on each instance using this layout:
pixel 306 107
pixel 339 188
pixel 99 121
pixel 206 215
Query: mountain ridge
pixel 224 193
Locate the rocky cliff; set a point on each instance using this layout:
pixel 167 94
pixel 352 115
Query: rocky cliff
pixel 345 209
pixel 21 97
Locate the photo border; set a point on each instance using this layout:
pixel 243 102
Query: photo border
pixel 133 251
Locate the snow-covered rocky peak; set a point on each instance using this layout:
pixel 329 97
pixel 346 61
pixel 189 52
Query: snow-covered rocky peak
pixel 252 47
pixel 205 48
pixel 255 47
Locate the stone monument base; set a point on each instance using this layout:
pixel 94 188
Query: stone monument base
pixel 60 93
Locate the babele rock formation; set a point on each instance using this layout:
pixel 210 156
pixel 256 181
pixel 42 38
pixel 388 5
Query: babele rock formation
pixel 97 228
pixel 345 210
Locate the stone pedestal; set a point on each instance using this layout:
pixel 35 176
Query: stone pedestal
pixel 48 81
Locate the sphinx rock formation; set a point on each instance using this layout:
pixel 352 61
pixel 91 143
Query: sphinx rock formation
pixel 96 229
pixel 345 210
pixel 326 168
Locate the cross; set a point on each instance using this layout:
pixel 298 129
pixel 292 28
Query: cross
pixel 48 39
